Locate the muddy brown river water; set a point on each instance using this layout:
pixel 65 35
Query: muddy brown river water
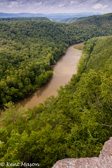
pixel 63 71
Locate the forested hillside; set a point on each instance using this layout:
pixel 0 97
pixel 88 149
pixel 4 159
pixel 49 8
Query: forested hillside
pixel 90 19
pixel 28 49
pixel 74 124
pixel 70 20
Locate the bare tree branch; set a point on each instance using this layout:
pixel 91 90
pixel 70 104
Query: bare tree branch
pixel 106 125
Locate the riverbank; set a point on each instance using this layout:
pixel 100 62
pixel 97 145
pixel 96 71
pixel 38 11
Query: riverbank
pixel 65 67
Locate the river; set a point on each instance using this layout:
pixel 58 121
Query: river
pixel 63 71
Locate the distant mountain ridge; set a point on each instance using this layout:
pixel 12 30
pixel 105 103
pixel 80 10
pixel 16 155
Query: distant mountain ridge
pixel 54 17
pixel 89 18
pixel 70 20
pixel 98 20
pixel 24 19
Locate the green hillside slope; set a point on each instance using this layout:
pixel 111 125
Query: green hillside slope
pixel 74 124
pixel 100 19
pixel 29 48
pixel 27 51
pixel 90 19
pixel 70 20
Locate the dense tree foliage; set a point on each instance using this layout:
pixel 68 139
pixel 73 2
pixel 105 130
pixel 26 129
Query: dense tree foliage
pixel 74 124
pixel 27 52
pixel 29 48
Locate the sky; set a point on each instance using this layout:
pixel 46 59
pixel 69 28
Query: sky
pixel 55 6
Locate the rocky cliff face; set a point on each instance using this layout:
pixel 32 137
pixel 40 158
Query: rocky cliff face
pixel 103 161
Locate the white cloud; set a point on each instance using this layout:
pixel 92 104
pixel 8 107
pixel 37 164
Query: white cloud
pixel 38 4
pixel 62 4
pixel 99 6
pixel 13 4
pixel 55 6
pixel 72 2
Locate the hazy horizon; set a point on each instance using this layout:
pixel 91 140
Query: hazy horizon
pixel 50 13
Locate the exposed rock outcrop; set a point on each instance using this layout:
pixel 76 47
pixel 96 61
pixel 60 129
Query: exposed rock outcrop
pixel 103 161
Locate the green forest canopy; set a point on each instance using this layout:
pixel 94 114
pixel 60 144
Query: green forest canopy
pixel 29 48
pixel 78 121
